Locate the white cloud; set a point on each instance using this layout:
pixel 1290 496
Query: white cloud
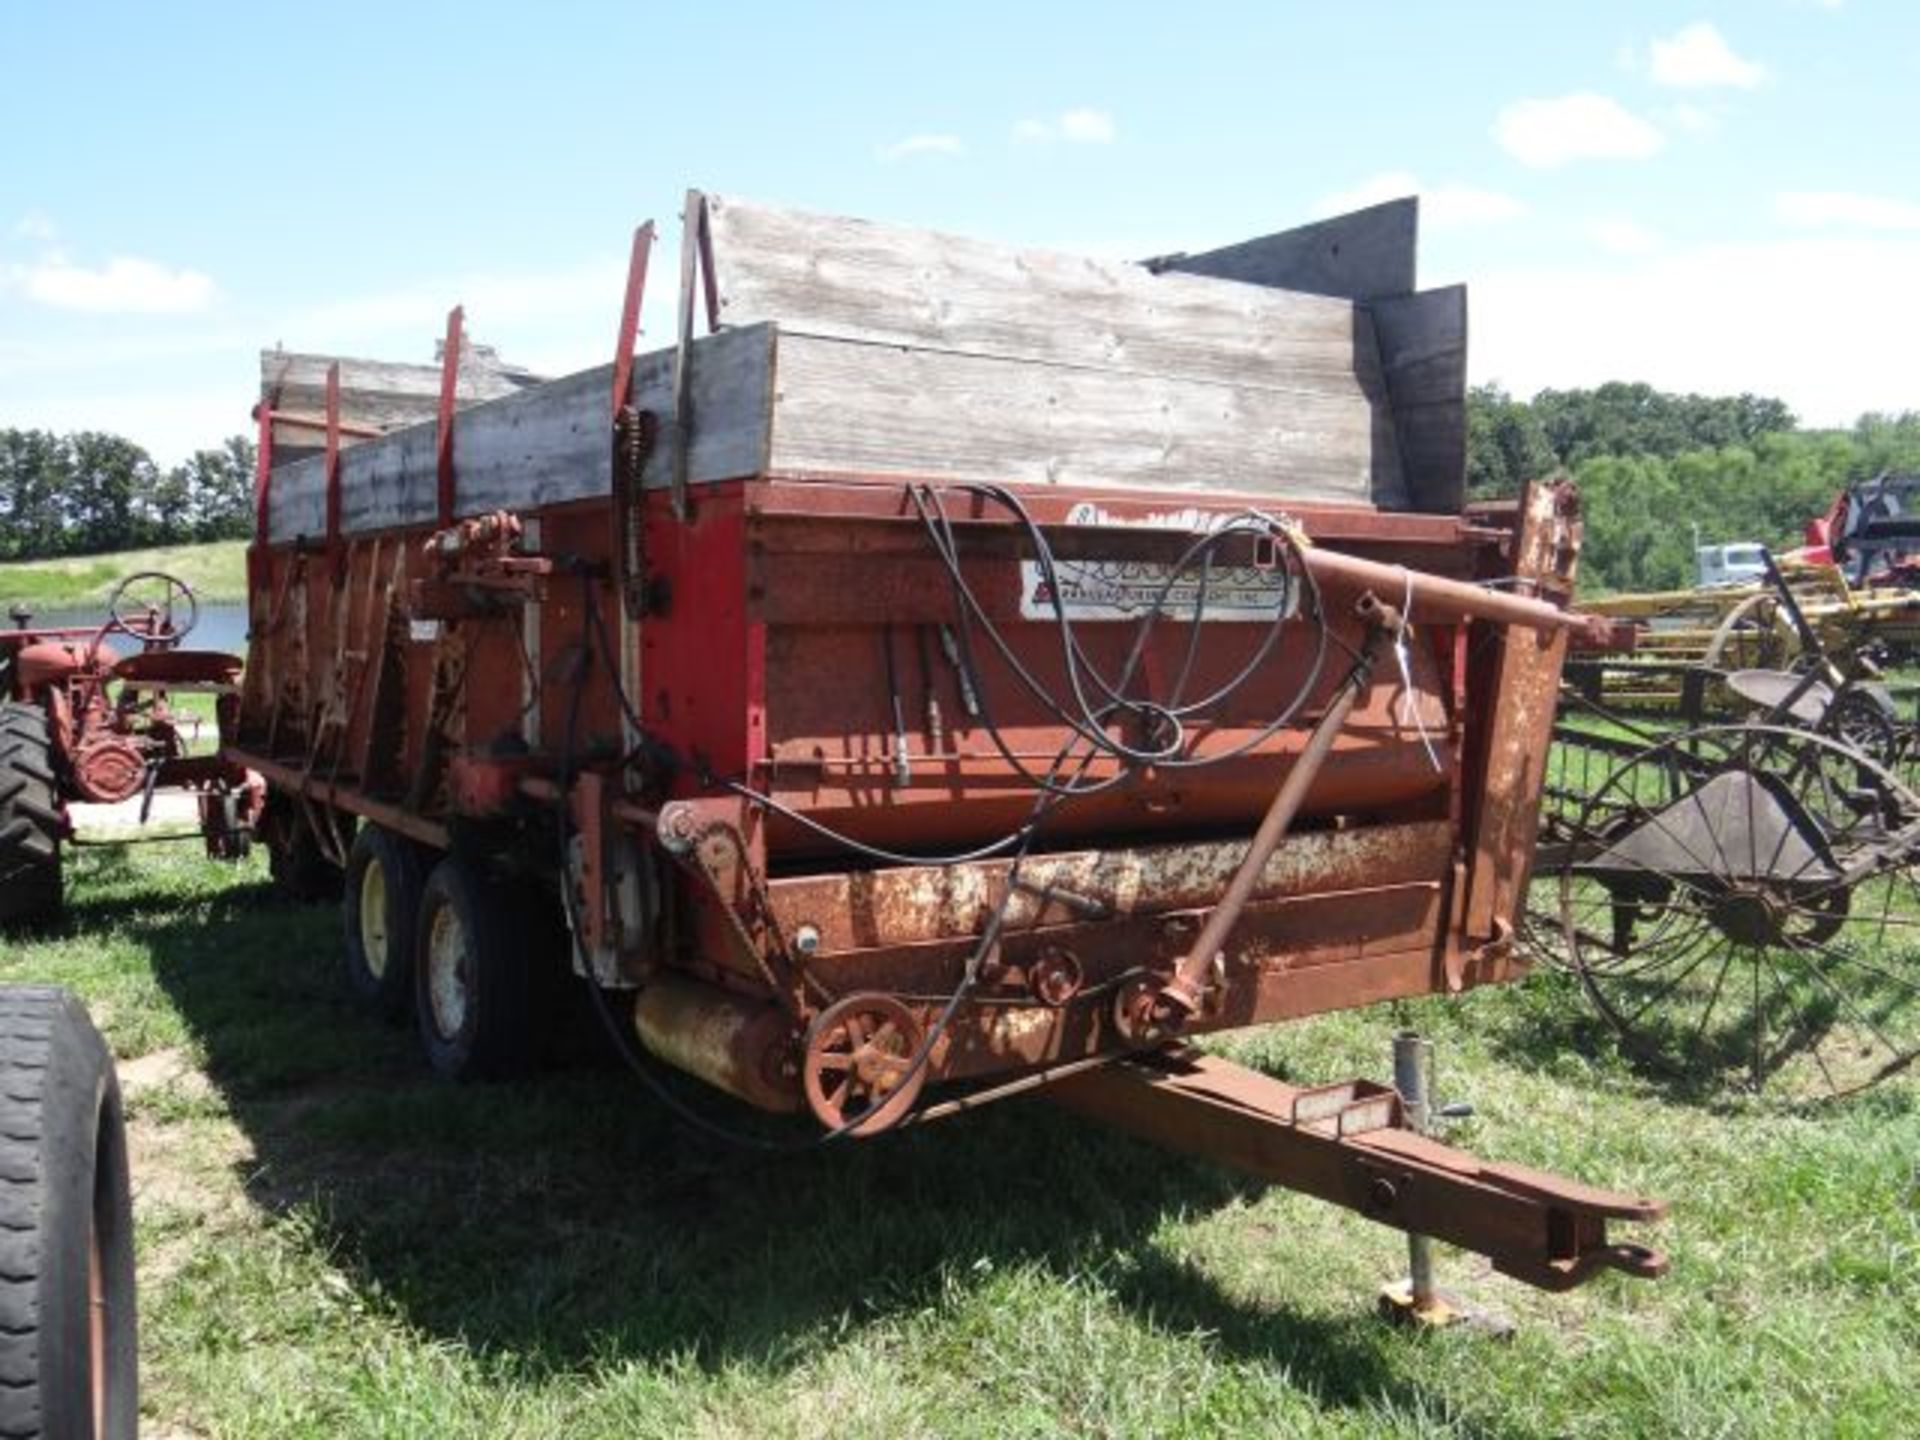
pixel 1087 127
pixel 1697 57
pixel 125 285
pixel 1549 133
pixel 36 225
pixel 1081 126
pixel 923 145
pixel 1620 236
pixel 1846 208
pixel 1694 119
pixel 1716 319
pixel 1444 207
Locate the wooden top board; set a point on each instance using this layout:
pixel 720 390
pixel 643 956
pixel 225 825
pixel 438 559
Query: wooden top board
pixel 982 360
pixel 852 348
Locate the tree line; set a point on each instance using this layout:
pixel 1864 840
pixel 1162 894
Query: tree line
pixel 1658 472
pixel 89 492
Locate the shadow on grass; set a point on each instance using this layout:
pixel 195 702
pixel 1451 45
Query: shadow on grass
pixel 566 1221
pixel 1550 1017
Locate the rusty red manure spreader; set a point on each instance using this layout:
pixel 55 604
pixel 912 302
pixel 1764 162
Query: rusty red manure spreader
pixel 942 673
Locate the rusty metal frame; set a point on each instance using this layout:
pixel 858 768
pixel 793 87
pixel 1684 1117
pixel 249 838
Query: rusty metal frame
pixel 444 487
pixel 1350 1144
pixel 335 550
pixel 632 441
pixel 696 255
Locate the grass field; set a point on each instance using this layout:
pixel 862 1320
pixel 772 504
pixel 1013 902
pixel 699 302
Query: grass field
pixel 332 1244
pixel 216 571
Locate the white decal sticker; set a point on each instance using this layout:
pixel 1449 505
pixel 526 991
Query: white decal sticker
pixel 1128 589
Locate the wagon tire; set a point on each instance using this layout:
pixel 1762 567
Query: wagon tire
pixel 300 870
pixel 473 988
pixel 30 819
pixel 379 907
pixel 68 1344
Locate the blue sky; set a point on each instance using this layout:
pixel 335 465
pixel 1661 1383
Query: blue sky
pixel 1711 197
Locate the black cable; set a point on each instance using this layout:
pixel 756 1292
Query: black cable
pixel 623 1045
pixel 1088 725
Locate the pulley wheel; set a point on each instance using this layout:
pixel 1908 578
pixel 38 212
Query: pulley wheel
pixel 860 1073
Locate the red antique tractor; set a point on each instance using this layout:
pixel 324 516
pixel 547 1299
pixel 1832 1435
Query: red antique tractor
pixel 82 722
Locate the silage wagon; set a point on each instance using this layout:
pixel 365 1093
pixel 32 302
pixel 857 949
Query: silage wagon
pixel 943 673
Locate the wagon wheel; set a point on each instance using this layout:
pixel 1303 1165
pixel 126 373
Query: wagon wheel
pixel 1754 635
pixel 1858 719
pixel 1736 906
pixel 1588 746
pixel 863 1068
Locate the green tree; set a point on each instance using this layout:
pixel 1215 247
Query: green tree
pixel 111 501
pixel 33 478
pixel 218 491
pixel 1506 446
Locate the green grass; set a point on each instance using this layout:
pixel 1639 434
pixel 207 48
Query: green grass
pixel 216 571
pixel 332 1244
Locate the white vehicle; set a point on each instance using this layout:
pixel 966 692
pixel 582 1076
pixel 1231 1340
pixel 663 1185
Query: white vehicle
pixel 1731 564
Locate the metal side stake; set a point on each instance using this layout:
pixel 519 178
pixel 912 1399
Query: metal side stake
pixel 1416 1300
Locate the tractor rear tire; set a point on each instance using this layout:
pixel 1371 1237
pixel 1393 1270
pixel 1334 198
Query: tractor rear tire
pixel 30 823
pixel 68 1343
pixel 473 975
pixel 381 902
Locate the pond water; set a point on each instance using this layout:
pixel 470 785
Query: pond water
pixel 221 627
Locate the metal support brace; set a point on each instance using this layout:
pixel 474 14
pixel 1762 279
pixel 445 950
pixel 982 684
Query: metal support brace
pixel 1184 994
pixel 257 573
pixel 334 551
pixel 449 395
pixel 1418 1300
pixel 696 262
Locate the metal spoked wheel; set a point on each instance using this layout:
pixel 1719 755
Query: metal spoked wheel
pixel 1588 746
pixel 859 1073
pixel 1754 634
pixel 1735 901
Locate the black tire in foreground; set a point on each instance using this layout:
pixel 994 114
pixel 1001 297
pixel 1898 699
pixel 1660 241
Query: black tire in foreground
pixel 379 905
pixel 29 818
pixel 473 974
pixel 68 1362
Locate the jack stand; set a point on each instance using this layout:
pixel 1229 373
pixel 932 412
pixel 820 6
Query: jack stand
pixel 1416 1300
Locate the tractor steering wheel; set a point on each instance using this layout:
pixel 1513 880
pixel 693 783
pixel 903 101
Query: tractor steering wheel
pixel 146 606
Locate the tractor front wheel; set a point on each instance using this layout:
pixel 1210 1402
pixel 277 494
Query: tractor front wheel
pixel 30 824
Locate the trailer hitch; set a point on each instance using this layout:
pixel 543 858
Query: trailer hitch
pixel 1352 1144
